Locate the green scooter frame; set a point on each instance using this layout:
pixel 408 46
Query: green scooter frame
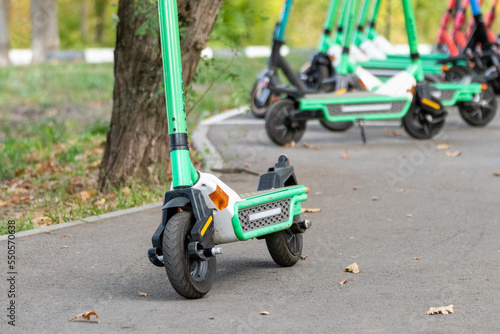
pixel 201 211
pixel 286 119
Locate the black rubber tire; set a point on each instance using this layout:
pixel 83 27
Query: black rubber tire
pixel 476 114
pixel 281 126
pixel 316 78
pixel 191 279
pixel 416 124
pixel 259 112
pixel 285 247
pixel 336 126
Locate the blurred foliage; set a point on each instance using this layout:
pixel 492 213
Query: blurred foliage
pixel 240 22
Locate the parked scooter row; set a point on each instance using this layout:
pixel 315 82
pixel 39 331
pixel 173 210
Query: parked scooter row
pixel 346 93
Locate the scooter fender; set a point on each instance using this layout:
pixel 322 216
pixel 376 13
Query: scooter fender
pixel 221 200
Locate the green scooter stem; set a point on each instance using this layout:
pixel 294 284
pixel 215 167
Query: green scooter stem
pixel 360 36
pixel 340 23
pixel 183 172
pixel 348 23
pixel 325 40
pixel 285 14
pixel 372 32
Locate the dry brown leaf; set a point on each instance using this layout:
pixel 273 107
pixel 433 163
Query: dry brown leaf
pixel 15 199
pixel 143 294
pixel 67 236
pixel 355 188
pixel 126 191
pixel 306 145
pixel 345 155
pixel 496 174
pixel 86 316
pixel 351 238
pixel 416 258
pixel 441 310
pixel 352 268
pixel 64 246
pixel 87 194
pixel 375 198
pixel 312 210
pixel 290 144
pixel 41 221
pixel 453 154
pixel 248 164
pixel 442 146
pixel 394 133
pixel 343 282
pixel 409 215
pixel 400 190
pixel 3 203
pixel 264 313
pixel 304 257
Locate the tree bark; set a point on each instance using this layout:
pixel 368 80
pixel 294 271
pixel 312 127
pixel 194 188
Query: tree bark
pixel 4 34
pixel 44 28
pixel 137 144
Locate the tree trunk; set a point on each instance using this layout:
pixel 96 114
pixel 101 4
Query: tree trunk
pixel 44 28
pixel 52 40
pixel 137 144
pixel 4 34
pixel 84 20
pixel 100 13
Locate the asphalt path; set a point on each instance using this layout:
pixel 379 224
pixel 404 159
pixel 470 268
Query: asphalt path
pixel 422 226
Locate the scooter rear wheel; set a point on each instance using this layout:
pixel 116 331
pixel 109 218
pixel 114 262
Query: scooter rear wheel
pixel 281 125
pixel 259 111
pixel 479 113
pixel 420 124
pixel 285 247
pixel 191 278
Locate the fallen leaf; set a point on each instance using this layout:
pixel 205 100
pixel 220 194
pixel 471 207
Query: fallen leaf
pixel 126 191
pixel 306 145
pixel 394 133
pixel 313 210
pixel 143 293
pixel 352 268
pixel 15 199
pixel 409 215
pixel 248 164
pixel 3 203
pixel 86 194
pixel 86 316
pixel 264 313
pixel 351 238
pixel 67 236
pixel 345 155
pixel 211 318
pixel 453 154
pixel 64 246
pixel 400 190
pixel 442 146
pixel 496 174
pixel 290 144
pixel 355 188
pixel 375 198
pixel 47 232
pixel 441 310
pixel 304 257
pixel 416 258
pixel 343 282
pixel 41 221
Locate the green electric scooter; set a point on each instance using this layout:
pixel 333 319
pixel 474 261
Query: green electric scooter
pixel 201 211
pixel 286 119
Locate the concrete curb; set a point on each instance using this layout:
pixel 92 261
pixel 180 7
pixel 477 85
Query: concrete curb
pixel 202 144
pixel 85 220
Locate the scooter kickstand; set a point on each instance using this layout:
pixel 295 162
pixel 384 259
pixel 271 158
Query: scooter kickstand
pixel 361 123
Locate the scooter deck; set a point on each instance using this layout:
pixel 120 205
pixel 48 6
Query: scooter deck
pixel 356 105
pixel 398 65
pixel 266 212
pixel 452 92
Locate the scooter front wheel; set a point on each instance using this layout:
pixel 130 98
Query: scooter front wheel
pixel 479 112
pixel 420 124
pixel 191 278
pixel 281 125
pixel 285 247
pixel 257 108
